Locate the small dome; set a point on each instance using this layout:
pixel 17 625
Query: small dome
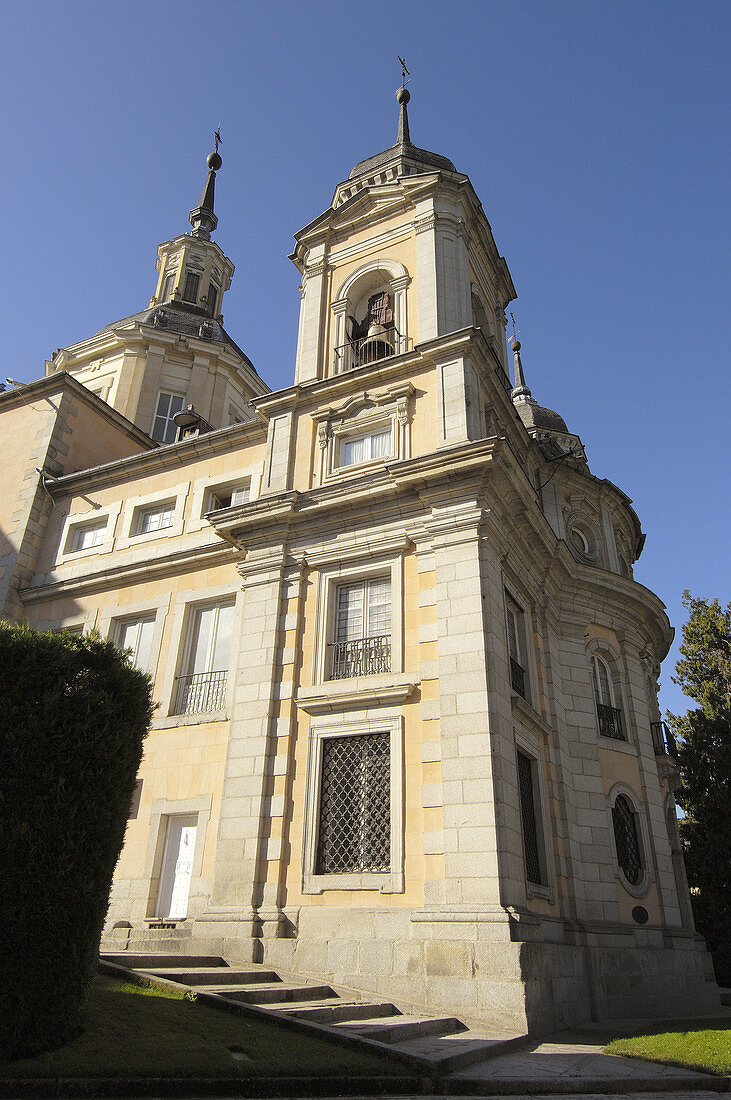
pixel 536 416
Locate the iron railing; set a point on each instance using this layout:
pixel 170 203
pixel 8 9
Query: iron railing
pixel 369 349
pixel 610 722
pixel 517 677
pixel 200 692
pixel 360 657
pixel 663 740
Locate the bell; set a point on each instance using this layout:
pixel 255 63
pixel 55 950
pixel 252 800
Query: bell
pixel 377 344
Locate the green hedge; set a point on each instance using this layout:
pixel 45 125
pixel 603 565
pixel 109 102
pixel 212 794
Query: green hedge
pixel 73 716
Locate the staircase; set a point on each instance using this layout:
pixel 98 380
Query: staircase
pixel 432 1044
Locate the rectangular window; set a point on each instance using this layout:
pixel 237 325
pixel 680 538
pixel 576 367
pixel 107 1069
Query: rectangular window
pixel 212 298
pixel 529 818
pixel 515 624
pixel 168 286
pixel 136 635
pixel 190 290
pixel 357 449
pixel 86 535
pixel 201 687
pixel 226 497
pixel 361 643
pixel 155 518
pixel 354 833
pixel 164 428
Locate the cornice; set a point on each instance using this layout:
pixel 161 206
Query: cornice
pixel 118 575
pixel 337 696
pixel 163 456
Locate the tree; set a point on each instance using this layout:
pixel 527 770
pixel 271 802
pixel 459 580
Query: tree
pixel 704 736
pixel 73 715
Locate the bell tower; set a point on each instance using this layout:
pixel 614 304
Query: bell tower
pixel 403 255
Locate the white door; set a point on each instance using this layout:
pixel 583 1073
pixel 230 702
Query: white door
pixel 177 866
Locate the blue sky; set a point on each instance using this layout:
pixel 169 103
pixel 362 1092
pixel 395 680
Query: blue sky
pixel 593 133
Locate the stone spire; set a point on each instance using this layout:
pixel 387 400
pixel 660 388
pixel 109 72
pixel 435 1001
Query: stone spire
pixel 202 218
pixel 402 137
pixel 520 391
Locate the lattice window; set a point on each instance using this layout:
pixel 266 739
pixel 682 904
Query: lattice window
pixel 529 818
pixel 355 805
pixel 627 839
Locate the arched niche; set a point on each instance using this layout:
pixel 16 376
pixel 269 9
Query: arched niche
pixel 379 276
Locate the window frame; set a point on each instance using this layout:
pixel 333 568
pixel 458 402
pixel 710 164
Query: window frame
pixel 112 617
pixel 80 530
pixel 205 487
pixel 529 748
pixel 385 882
pixel 359 416
pixel 600 657
pixel 131 537
pixel 185 652
pixel 189 275
pixel 120 624
pixel 642 888
pixel 147 512
pixel 75 520
pixel 523 654
pixel 344 571
pixel 168 418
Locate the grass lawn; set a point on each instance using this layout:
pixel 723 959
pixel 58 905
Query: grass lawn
pixel 704 1049
pixel 134 1031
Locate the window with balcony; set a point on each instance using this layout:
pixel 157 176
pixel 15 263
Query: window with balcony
pixel 361 643
pixel 609 715
pixel 85 536
pixel 164 428
pixel 354 828
pixel 201 686
pixel 156 517
pixel 517 647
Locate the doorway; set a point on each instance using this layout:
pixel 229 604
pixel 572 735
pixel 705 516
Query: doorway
pixel 177 866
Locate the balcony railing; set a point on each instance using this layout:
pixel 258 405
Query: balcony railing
pixel 369 349
pixel 200 692
pixel 360 657
pixel 610 722
pixel 663 740
pixel 517 677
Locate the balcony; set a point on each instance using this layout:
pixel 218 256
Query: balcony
pixel 360 657
pixel 610 722
pixel 200 692
pixel 517 678
pixel 369 349
pixel 663 740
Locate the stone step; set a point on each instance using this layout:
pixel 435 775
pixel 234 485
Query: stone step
pixel 146 962
pixel 338 1011
pixel 277 993
pixel 462 1049
pixel 206 975
pixel 396 1029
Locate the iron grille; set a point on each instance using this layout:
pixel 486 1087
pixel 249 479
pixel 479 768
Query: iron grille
pixel 355 805
pixel 200 692
pixel 663 740
pixel 369 349
pixel 610 722
pixel 626 840
pixel 517 677
pixel 360 657
pixel 528 815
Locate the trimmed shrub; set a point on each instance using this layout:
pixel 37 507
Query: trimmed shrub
pixel 73 716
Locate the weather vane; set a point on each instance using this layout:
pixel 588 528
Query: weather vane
pixel 217 136
pixel 515 334
pixel 404 72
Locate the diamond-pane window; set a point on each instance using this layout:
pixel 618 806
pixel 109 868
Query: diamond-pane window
pixel 626 839
pixel 529 819
pixel 355 805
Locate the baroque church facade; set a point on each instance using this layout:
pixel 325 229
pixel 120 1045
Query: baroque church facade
pixel 407 735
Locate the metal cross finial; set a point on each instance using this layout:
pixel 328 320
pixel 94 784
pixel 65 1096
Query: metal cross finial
pixel 404 72
pixel 515 334
pixel 217 136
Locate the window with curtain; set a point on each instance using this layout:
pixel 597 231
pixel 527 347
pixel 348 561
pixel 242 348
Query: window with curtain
pixel 366 447
pixel 361 643
pixel 201 686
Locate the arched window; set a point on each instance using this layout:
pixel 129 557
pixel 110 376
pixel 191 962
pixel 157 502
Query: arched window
pixel 370 315
pixel 609 715
pixel 627 840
